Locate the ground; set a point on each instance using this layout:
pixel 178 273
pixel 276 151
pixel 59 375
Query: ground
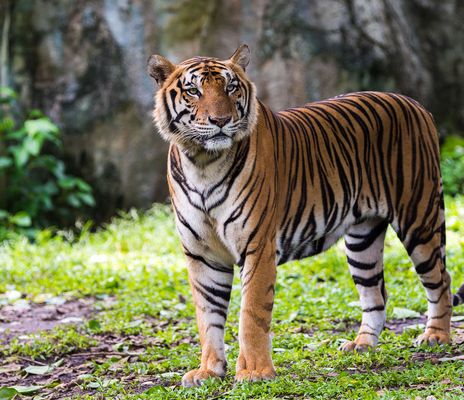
pixel 109 315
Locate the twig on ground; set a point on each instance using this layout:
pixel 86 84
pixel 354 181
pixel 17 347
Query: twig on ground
pixel 103 353
pixel 31 360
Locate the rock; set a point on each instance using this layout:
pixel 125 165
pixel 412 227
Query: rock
pixel 83 63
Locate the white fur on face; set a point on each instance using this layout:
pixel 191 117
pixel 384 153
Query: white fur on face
pixel 176 117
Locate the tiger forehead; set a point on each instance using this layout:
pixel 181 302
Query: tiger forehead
pixel 205 69
pixel 202 62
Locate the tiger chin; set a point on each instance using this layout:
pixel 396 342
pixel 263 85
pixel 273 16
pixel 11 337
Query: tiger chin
pixel 254 188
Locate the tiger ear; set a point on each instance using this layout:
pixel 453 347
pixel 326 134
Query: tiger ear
pixel 159 68
pixel 241 56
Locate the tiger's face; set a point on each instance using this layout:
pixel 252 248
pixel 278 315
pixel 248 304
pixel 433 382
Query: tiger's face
pixel 204 104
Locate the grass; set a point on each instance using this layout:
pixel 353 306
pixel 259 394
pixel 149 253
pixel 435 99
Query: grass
pixel 134 270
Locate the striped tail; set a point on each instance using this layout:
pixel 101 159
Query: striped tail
pixel 458 298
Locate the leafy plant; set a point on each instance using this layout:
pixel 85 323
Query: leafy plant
pixel 129 348
pixel 35 189
pixel 452 165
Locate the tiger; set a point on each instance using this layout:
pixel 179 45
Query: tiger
pixel 255 189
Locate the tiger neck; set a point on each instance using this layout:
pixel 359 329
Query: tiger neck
pixel 202 159
pixel 205 169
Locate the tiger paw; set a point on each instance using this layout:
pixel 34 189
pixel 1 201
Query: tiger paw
pixel 246 375
pixel 254 366
pixel 433 337
pixel 358 345
pixel 195 377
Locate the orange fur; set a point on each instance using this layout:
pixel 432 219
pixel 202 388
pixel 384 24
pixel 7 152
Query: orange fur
pixel 254 188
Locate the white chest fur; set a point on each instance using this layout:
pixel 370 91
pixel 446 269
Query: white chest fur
pixel 202 204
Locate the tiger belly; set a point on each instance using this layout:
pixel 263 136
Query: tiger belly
pixel 292 247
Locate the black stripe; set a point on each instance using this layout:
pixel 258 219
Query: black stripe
pixel 360 265
pixel 432 285
pixel 375 308
pixel 218 326
pixel 429 264
pixel 368 282
pixel 223 294
pixel 218 311
pixel 209 299
pixel 215 267
pixel 367 333
pixel 369 238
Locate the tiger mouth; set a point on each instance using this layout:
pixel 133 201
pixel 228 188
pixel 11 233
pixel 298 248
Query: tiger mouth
pixel 220 135
pixel 218 141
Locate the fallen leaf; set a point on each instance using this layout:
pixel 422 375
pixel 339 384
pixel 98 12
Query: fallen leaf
pixel 12 295
pixel 121 346
pixel 26 389
pixel 38 369
pixel 169 374
pixel 10 368
pixel 443 359
pixel 415 326
pixel 404 313
pixel 7 393
pixel 459 337
pixel 84 376
pixel 58 363
pixel 42 297
pixel 56 300
pixel 117 366
pixel 71 320
pixel 21 305
pixel 134 324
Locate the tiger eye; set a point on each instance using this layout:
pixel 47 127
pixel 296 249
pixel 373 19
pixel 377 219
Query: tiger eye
pixel 193 91
pixel 231 88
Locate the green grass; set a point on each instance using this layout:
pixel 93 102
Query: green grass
pixel 136 261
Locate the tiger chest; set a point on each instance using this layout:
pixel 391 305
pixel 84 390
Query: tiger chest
pixel 200 222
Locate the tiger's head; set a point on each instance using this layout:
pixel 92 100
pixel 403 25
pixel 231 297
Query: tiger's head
pixel 204 104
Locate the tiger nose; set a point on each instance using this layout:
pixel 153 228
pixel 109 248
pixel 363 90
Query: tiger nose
pixel 219 121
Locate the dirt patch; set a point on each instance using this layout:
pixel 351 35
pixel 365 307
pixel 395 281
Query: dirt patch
pixel 400 325
pixel 120 358
pixel 395 325
pixel 77 373
pixel 25 317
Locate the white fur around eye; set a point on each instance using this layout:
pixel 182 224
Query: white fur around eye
pixel 231 88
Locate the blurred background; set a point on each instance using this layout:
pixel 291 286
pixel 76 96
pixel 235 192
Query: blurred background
pixel 76 133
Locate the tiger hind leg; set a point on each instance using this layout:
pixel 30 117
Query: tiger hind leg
pixel 426 248
pixel 364 250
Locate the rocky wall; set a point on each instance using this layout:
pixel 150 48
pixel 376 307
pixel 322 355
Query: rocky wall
pixel 83 63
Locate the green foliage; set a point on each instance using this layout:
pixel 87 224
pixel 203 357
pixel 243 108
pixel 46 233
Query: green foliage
pixel 35 189
pixel 135 271
pixel 452 165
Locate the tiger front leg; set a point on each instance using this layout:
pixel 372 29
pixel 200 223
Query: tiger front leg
pixel 211 286
pixel 258 280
